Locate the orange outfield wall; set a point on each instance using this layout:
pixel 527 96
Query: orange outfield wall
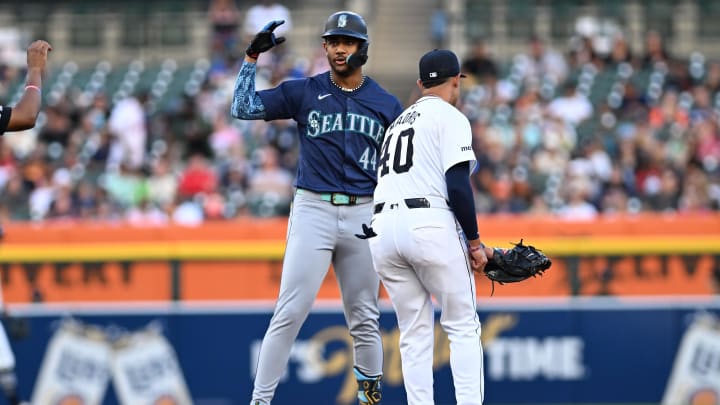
pixel 638 255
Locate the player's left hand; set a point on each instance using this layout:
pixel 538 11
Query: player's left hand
pixel 265 39
pixel 516 264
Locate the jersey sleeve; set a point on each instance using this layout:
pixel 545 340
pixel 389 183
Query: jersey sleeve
pixel 456 142
pixel 246 104
pixel 5 113
pixel 283 101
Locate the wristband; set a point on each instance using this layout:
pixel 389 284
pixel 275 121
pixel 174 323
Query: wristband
pixel 32 86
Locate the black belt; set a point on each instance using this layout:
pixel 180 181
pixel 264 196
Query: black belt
pixel 409 202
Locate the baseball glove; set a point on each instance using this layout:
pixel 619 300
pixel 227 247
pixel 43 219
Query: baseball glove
pixel 516 264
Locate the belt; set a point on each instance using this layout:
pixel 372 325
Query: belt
pixel 411 203
pixel 337 198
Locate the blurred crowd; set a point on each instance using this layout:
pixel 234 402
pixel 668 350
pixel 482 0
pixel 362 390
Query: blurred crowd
pixel 594 129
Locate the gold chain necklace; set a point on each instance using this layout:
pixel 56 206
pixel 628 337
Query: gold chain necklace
pixel 345 89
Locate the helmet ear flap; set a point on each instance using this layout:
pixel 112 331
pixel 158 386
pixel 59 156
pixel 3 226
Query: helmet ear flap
pixel 360 57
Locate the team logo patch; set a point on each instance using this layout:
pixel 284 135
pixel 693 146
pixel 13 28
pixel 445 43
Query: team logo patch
pixel 342 21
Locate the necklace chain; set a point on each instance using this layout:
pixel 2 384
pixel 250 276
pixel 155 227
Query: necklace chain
pixel 345 89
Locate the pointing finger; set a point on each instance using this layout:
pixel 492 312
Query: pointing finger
pixel 273 24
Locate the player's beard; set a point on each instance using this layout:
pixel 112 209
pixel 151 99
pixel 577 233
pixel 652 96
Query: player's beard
pixel 344 73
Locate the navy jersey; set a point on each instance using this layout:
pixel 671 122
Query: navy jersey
pixel 5 113
pixel 340 132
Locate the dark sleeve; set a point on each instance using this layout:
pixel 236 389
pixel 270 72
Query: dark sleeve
pixel 5 113
pixel 461 198
pixel 284 100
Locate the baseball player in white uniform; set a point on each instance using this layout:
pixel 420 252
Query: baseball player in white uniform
pixel 423 195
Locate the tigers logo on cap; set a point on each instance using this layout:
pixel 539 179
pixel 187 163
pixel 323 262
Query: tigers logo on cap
pixel 342 21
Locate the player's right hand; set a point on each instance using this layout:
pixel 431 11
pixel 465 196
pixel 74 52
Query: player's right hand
pixel 37 54
pixel 265 39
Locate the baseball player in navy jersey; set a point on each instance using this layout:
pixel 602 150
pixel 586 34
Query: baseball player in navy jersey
pixel 341 115
pixel 17 118
pixel 423 194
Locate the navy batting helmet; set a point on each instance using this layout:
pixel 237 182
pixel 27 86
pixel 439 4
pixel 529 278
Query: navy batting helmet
pixel 346 23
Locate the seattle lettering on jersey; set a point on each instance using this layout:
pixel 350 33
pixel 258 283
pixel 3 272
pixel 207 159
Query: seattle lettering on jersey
pixel 321 124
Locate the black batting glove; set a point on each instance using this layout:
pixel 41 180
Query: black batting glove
pixel 265 39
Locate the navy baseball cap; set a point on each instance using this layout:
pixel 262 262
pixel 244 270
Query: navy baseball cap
pixel 439 64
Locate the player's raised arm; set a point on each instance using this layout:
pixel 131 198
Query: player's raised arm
pixel 24 113
pixel 246 104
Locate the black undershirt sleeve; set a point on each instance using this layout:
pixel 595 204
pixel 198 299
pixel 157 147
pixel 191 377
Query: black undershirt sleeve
pixel 461 198
pixel 5 112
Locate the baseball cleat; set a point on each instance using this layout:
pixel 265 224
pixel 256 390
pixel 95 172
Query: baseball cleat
pixel 369 388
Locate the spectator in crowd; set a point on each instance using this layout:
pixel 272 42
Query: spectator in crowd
pixel 188 212
pixel 571 107
pixel 655 50
pixel 577 206
pixel 58 127
pixel 87 200
pixel 270 189
pixel 255 19
pixel 162 185
pixel 128 126
pixel 620 52
pixel 543 62
pixel 198 177
pixel 126 186
pixel 224 137
pixel 14 200
pixel 146 214
pixel 479 66
pixel 260 13
pixel 224 19
pixel 712 78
